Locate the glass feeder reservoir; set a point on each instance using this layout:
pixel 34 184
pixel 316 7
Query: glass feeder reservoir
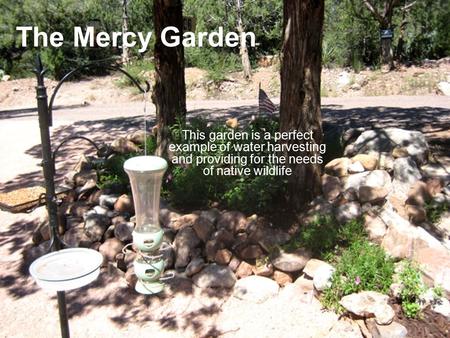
pixel 146 174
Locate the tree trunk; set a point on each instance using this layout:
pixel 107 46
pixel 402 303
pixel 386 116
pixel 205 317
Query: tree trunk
pixel 243 50
pixel 125 53
pixel 387 54
pixel 169 93
pixel 300 89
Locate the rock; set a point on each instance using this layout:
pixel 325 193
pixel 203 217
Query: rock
pixel 372 194
pixel 355 168
pixel 84 177
pixel 406 174
pixel 375 227
pixel 322 277
pixel 291 262
pixel 185 241
pixel 386 162
pixel 107 201
pixel 368 161
pixel 203 227
pixel 6 78
pixel 110 249
pixel 215 276
pixel 223 237
pixel 123 146
pixel 265 270
pixel 255 289
pixel 385 140
pixel 100 210
pixel 183 221
pixel 76 237
pixel 167 218
pixel 331 187
pixel 109 233
pixel 313 265
pixel 223 257
pixel 244 270
pixel 348 212
pixel 195 266
pixel 343 79
pixel 444 88
pixel 211 248
pixel 124 204
pixel 344 328
pixel 369 303
pixel 137 137
pixel 434 186
pixel 31 252
pixel 251 252
pixel 434 263
pixel 399 152
pixel 398 205
pixel 87 187
pixel 350 195
pixel 442 306
pixel 419 194
pixel 124 231
pixel 268 237
pixel 234 264
pixel 393 330
pixel 95 226
pixel 232 123
pixel 416 214
pixel 338 167
pixel 375 179
pixel 232 221
pixel 131 277
pixel 282 278
pixel 211 215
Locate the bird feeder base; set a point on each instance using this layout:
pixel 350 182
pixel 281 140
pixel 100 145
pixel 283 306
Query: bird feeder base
pixel 149 288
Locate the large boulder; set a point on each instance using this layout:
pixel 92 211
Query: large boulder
pixel 338 167
pixel 393 330
pixel 385 140
pixel 375 179
pixel 331 187
pixel 368 161
pixel 348 212
pixel 215 276
pixel 255 289
pixel 406 174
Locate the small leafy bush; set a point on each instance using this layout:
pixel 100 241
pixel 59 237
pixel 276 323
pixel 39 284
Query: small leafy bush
pixel 363 266
pixel 412 288
pixel 325 237
pixel 112 175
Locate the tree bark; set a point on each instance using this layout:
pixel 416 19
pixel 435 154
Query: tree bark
pixel 125 53
pixel 169 93
pixel 243 50
pixel 300 89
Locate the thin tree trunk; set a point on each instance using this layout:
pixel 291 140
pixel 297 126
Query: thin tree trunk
pixel 300 89
pixel 125 53
pixel 243 50
pixel 169 93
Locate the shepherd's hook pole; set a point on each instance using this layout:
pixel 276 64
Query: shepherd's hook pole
pixel 48 166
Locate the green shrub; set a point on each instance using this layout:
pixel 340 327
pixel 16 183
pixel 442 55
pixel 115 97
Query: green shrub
pixel 139 70
pixel 411 289
pixel 363 266
pixel 112 175
pixel 325 237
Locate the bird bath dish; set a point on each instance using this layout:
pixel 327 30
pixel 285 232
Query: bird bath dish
pixel 66 269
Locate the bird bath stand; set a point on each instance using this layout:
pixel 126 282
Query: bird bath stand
pixel 65 269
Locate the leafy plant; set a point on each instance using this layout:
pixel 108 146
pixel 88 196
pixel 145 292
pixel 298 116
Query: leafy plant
pixel 362 266
pixel 325 237
pixel 435 211
pixel 411 289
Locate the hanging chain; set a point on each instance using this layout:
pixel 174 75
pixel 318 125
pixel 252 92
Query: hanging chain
pixel 145 122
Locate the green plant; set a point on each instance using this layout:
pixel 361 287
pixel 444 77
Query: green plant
pixel 438 291
pixel 139 70
pixel 411 289
pixel 325 237
pixel 362 266
pixel 435 211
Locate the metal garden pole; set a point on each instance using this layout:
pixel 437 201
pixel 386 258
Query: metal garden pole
pixel 48 166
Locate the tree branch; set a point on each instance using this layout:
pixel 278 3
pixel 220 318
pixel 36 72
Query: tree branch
pixel 374 11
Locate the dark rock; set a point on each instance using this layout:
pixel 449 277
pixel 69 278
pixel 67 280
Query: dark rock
pixel 195 266
pixel 223 257
pixel 111 248
pixel 232 221
pixel 291 262
pixel 124 204
pixel 124 231
pixel 95 226
pixel 185 241
pixel 244 270
pixel 251 252
pixel 203 227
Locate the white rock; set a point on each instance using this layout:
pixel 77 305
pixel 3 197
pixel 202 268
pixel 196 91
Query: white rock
pixel 444 87
pixel 255 289
pixel 343 79
pixel 347 212
pixel 322 277
pixel 442 306
pixel 355 168
pixel 375 179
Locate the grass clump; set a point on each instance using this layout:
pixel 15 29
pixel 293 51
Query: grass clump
pixel 362 266
pixel 435 211
pixel 411 289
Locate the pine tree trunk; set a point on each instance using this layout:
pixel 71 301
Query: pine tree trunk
pixel 387 54
pixel 169 92
pixel 125 53
pixel 243 50
pixel 300 89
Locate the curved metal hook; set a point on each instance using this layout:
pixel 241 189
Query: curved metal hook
pixel 70 138
pixel 116 67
